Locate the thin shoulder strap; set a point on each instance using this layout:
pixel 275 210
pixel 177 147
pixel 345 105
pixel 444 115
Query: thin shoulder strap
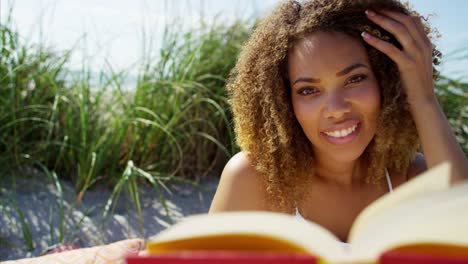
pixel 298 215
pixel 389 181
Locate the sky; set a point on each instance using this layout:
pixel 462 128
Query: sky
pixel 112 32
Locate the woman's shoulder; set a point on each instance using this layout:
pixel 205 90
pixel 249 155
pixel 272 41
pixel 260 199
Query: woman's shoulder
pixel 241 164
pixel 241 187
pixel 241 170
pixel 417 166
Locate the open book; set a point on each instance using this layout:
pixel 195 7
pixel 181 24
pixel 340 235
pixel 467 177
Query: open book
pixel 425 216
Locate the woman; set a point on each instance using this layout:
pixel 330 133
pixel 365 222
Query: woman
pixel 331 102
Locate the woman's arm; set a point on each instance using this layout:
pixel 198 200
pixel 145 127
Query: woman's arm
pixel 240 187
pixel 415 65
pixel 437 139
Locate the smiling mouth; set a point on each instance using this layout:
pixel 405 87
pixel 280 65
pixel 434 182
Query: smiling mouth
pixel 341 133
pixel 343 136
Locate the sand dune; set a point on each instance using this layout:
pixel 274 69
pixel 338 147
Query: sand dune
pixel 83 223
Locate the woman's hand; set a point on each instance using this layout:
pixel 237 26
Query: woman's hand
pixel 414 61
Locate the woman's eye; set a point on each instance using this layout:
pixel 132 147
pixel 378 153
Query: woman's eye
pixel 307 91
pixel 357 78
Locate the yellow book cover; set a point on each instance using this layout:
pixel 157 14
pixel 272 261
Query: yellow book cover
pixel 425 215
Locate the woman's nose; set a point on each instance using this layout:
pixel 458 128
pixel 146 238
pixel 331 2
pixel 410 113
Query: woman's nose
pixel 336 106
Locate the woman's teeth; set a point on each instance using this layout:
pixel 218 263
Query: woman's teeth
pixel 341 133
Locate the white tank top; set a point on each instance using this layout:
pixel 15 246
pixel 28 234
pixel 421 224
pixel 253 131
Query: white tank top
pixel 346 245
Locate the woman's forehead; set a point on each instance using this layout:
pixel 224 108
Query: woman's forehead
pixel 313 42
pixel 327 48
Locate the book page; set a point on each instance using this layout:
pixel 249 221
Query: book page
pixel 438 219
pixel 431 181
pixel 213 231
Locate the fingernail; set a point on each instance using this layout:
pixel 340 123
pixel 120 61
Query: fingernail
pixel 365 35
pixel 370 13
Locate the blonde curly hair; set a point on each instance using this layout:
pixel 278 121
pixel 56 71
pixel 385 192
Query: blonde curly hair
pixel 259 94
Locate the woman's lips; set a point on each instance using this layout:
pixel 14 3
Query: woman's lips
pixel 343 140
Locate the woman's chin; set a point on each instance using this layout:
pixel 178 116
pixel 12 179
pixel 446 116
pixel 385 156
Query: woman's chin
pixel 346 156
pixel 340 155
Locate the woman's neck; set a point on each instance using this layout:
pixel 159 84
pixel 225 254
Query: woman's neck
pixel 339 172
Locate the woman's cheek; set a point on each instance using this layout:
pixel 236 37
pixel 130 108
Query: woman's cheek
pixel 307 111
pixel 367 97
pixel 306 106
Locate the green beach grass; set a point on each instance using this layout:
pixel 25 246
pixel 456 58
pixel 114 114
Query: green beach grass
pixel 171 125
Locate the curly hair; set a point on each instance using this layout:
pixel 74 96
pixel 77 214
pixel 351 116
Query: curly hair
pixel 259 94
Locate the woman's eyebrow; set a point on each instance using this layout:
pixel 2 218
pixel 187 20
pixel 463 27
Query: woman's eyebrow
pixel 305 79
pixel 340 73
pixel 350 68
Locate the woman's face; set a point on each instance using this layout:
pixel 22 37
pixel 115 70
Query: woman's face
pixel 334 93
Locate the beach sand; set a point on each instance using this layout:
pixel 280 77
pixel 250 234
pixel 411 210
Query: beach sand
pixel 82 223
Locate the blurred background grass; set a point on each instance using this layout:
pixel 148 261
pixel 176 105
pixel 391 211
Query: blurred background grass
pixel 94 129
pixel 173 121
